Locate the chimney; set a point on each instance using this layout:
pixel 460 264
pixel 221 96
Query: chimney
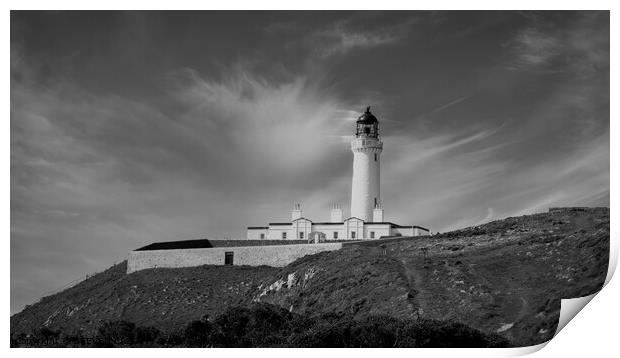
pixel 336 213
pixel 296 212
pixel 377 213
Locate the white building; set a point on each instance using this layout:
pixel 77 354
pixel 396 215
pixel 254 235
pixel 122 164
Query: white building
pixel 366 221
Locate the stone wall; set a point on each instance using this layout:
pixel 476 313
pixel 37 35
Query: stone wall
pixel 243 243
pixel 276 256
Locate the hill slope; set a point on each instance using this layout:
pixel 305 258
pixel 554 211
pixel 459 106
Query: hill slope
pixel 165 298
pixel 503 277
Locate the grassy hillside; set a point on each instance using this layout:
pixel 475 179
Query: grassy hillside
pixel 505 277
pixel 355 281
pixel 165 298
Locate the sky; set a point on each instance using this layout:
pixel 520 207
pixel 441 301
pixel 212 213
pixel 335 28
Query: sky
pixel 129 128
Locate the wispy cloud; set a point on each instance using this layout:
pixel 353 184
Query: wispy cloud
pixel 552 45
pixel 537 47
pixel 347 35
pixel 93 176
pixel 449 104
pixel 469 186
pixel 341 41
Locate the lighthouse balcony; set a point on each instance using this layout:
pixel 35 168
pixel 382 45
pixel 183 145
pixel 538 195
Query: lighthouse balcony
pixel 366 144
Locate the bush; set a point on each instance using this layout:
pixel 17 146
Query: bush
pixel 148 334
pixel 438 334
pixel 260 325
pixel 175 339
pixel 386 331
pixel 198 333
pixel 43 337
pixel 116 333
pixel 264 325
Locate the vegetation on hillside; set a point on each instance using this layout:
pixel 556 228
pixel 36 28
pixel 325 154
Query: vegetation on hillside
pixel 263 325
pixel 505 278
pixel 164 298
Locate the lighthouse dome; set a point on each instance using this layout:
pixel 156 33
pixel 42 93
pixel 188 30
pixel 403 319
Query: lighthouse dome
pixel 367 117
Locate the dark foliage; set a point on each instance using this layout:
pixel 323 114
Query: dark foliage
pixel 43 337
pixel 260 325
pixel 337 332
pixel 146 335
pixel 116 333
pixel 436 334
pixel 264 325
pixel 198 333
pixel 386 331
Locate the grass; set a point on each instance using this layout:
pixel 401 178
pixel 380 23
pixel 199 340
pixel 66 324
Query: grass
pixel 503 278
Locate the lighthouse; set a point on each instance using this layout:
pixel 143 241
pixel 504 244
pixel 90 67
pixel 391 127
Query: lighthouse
pixel 367 148
pixel 367 221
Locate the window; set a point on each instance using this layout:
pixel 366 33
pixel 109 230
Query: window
pixel 262 236
pixel 335 234
pixel 353 234
pixel 228 258
pixel 283 236
pixel 372 234
pixel 301 235
pixel 375 157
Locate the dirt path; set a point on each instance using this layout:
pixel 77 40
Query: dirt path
pixel 421 298
pixel 415 294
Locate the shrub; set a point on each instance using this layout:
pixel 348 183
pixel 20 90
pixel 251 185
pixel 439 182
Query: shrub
pixel 116 333
pixel 148 334
pixel 257 326
pixel 198 333
pixel 438 334
pixel 264 325
pixel 386 331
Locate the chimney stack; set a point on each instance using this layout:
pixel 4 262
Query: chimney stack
pixel 377 213
pixel 336 213
pixel 296 212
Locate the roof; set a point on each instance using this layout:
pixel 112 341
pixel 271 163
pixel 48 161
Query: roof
pixel 172 245
pixel 392 225
pixel 205 244
pixel 367 117
pixel 289 223
pixel 396 226
pixel 383 223
pixel 258 227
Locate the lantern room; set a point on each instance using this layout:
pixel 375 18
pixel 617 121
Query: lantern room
pixel 367 125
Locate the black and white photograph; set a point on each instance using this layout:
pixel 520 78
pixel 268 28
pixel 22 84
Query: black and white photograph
pixel 306 178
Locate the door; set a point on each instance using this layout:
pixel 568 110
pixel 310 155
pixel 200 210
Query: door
pixel 228 258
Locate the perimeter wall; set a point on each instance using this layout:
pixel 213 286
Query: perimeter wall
pixel 276 256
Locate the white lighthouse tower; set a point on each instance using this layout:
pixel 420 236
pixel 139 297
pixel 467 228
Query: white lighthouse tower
pixel 366 147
